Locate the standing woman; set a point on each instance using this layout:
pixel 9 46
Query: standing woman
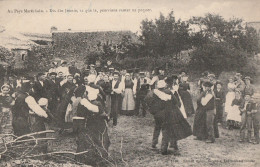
pixel 6 102
pixel 128 103
pixel 230 96
pixel 234 117
pixel 184 88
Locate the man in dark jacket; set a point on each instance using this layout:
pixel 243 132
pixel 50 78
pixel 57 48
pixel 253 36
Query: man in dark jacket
pixel 208 104
pixel 53 92
pixel 220 100
pixel 40 87
pixel 141 91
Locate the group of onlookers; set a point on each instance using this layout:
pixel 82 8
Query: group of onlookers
pixel 238 104
pixel 98 93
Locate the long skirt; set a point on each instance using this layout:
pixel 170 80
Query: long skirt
pixel 199 125
pixel 94 139
pixel 234 114
pixel 229 99
pixel 187 102
pixel 21 125
pixel 37 125
pixel 179 127
pixel 6 122
pixel 128 103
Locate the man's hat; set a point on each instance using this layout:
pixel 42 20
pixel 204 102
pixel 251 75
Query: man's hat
pixel 111 69
pixel 116 72
pixel 40 74
pixel 219 82
pixel 247 94
pixel 207 84
pixel 212 75
pixel 238 74
pixel 248 77
pixel 63 62
pixel 142 73
pixel 53 73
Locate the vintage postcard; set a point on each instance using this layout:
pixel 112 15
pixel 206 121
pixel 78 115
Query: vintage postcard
pixel 130 83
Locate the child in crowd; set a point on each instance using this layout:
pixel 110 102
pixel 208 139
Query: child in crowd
pixel 219 101
pixel 6 102
pixel 247 109
pixel 256 119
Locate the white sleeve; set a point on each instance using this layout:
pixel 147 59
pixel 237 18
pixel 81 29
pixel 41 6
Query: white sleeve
pixel 120 88
pixel 163 96
pixel 135 86
pixel 154 79
pixel 35 107
pixel 89 106
pixel 206 99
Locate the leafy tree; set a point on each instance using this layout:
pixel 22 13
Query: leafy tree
pixel 165 36
pixel 221 44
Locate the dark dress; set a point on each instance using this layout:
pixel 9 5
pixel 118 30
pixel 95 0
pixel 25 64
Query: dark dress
pixel 170 116
pixel 66 92
pixel 128 102
pixel 93 136
pixel 178 125
pixel 199 125
pixel 186 98
pixel 20 120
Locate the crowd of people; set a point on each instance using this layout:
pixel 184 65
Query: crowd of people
pixel 86 99
pixel 238 104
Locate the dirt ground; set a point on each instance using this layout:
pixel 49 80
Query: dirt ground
pixel 131 146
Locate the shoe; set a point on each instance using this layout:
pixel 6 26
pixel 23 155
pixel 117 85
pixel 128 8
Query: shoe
pixel 154 147
pixel 164 153
pixel 241 140
pixel 209 141
pixel 249 141
pixel 256 142
pixel 176 153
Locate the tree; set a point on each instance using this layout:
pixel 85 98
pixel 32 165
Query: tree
pixel 165 36
pixel 221 44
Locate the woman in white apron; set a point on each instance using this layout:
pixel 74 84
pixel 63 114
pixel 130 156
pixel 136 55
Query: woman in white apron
pixel 230 96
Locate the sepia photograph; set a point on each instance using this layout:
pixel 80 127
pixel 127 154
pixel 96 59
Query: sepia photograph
pixel 129 83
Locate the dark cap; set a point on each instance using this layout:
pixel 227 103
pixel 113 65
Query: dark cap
pixel 219 82
pixel 53 73
pixel 40 74
pixel 248 77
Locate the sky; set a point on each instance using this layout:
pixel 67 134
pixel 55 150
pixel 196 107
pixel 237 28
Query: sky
pixel 248 10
